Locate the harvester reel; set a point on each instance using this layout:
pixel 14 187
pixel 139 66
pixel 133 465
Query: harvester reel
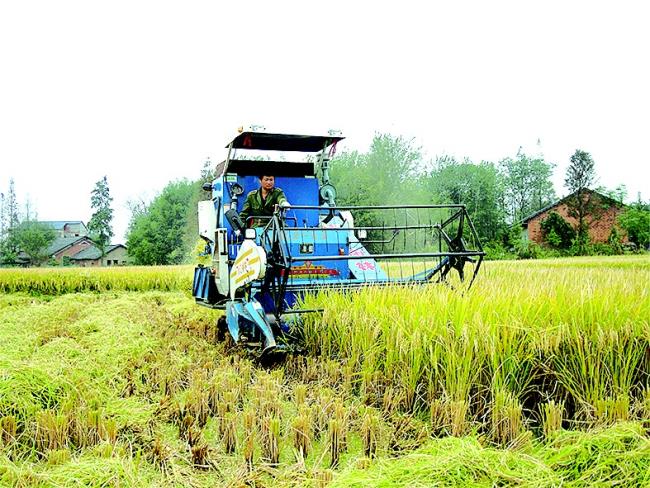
pixel 456 245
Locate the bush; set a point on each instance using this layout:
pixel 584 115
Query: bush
pixel 496 251
pixel 601 249
pixel 636 223
pixel 557 231
pixel 544 253
pixel 615 241
pixel 528 250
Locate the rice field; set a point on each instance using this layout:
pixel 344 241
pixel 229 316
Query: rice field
pixel 537 376
pixel 529 338
pixel 60 280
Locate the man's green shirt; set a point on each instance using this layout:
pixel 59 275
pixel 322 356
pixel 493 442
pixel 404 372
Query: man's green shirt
pixel 254 206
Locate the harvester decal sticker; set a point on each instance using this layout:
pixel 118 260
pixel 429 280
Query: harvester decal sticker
pixel 366 268
pixel 313 271
pixel 250 265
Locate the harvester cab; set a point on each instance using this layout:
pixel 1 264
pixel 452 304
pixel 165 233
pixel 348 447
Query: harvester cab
pixel 261 267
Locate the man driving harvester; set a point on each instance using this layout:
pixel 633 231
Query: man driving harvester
pixel 262 202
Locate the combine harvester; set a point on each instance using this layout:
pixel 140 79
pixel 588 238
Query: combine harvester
pixel 258 274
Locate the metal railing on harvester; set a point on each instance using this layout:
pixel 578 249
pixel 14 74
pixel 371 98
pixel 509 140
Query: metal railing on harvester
pixel 354 246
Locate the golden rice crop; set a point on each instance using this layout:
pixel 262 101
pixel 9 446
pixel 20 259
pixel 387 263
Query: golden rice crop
pixel 573 331
pixel 57 281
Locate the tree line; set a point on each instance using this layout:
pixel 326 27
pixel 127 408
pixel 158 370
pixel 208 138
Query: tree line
pixel 394 170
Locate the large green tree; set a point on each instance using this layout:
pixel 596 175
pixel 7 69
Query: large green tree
pixel 581 203
pixel 155 234
pixel 478 186
pixel 388 173
pixel 99 226
pixel 12 215
pixel 636 223
pixel 10 220
pixel 32 238
pixel 3 224
pixel 527 184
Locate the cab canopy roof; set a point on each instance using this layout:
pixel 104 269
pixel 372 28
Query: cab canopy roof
pixel 265 141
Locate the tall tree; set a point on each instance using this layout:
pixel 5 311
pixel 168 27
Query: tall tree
pixel 581 172
pixel 636 223
pixel 527 184
pixel 99 225
pixel 13 218
pixel 29 212
pixel 3 219
pixel 155 234
pixel 477 186
pixel 387 174
pixel 580 175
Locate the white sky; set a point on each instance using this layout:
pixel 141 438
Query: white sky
pixel 144 91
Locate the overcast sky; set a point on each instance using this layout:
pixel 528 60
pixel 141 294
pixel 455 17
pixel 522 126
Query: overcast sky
pixel 144 91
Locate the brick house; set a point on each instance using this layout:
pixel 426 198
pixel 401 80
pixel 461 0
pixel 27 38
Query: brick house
pixel 67 246
pixel 116 255
pixel 67 228
pixel 600 225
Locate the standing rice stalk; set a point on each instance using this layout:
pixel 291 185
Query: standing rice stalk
pixel 58 457
pixel 598 368
pixel 323 412
pixel 506 419
pixel 184 426
pixel 610 410
pixel 93 427
pixel 199 453
pixel 160 453
pixel 457 414
pixel 300 394
pixel 302 434
pixel 230 433
pixel 271 440
pixel 8 430
pixel 341 414
pixel 552 417
pixel 249 438
pixel 335 431
pixel 643 407
pixel 438 416
pixel 322 478
pixel 370 432
pixel 51 430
